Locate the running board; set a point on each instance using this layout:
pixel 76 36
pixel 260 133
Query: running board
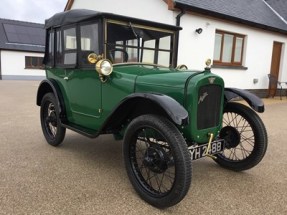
pixel 81 130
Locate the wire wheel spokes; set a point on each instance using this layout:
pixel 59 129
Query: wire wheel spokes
pixel 51 120
pixel 244 148
pixel 153 161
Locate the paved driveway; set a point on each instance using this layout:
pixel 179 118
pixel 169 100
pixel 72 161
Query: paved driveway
pixel 87 176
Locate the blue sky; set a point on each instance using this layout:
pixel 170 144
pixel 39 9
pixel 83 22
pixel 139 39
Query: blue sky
pixel 31 10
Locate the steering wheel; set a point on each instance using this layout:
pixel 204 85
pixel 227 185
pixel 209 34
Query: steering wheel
pixel 112 53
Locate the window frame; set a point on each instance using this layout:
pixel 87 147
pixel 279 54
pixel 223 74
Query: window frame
pixel 58 58
pixel 232 62
pixel 29 65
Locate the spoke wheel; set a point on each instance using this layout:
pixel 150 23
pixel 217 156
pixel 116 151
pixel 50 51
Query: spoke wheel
pixel 245 136
pixel 157 160
pixel 50 122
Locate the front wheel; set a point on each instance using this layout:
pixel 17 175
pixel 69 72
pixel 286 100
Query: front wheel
pixel 157 160
pixel 50 121
pixel 245 136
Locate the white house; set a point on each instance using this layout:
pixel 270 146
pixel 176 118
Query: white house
pixel 246 39
pixel 21 50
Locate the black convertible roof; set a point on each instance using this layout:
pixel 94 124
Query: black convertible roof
pixel 79 15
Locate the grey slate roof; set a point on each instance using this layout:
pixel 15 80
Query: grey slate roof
pixel 250 12
pixel 280 6
pixel 21 36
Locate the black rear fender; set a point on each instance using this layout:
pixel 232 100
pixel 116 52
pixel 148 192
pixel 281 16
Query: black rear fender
pixel 255 102
pixel 51 86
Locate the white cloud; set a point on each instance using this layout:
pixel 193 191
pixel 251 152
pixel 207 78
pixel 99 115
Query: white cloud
pixel 31 10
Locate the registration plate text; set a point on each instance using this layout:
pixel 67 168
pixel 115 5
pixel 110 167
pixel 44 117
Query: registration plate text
pixel 200 151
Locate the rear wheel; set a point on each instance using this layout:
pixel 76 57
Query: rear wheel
pixel 50 121
pixel 246 138
pixel 157 160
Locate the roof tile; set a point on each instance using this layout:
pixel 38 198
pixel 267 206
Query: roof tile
pixel 251 12
pixel 21 36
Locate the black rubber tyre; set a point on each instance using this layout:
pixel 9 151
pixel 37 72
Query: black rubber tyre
pixel 157 160
pixel 246 138
pixel 50 122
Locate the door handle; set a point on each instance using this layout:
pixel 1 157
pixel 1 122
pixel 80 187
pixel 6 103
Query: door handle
pixel 66 78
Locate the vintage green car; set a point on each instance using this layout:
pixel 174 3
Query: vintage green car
pixel 111 74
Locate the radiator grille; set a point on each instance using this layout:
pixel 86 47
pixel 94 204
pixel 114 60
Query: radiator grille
pixel 209 106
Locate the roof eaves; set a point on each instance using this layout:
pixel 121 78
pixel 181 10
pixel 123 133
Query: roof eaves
pixel 191 8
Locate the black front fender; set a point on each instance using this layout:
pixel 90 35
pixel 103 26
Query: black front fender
pixel 255 102
pixel 145 103
pixel 173 109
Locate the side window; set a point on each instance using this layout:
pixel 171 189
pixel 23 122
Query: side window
pixel 70 46
pixel 49 52
pixel 59 49
pixel 89 42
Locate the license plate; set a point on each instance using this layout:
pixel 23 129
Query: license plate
pixel 200 151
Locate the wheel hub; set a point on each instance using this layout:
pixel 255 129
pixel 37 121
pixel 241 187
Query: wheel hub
pixel 156 159
pixel 231 136
pixel 52 118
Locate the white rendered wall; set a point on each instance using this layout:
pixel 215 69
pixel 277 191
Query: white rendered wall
pixel 195 48
pixel 13 66
pixel 154 10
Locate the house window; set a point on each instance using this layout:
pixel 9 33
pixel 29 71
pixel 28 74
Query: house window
pixel 228 48
pixel 33 62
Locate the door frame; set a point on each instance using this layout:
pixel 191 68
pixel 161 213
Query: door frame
pixel 275 67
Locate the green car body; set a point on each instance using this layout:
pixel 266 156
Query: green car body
pixel 89 102
pixel 111 74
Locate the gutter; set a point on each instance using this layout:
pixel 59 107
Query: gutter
pixel 178 17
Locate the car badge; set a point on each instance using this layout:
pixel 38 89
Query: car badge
pixel 211 80
pixel 201 98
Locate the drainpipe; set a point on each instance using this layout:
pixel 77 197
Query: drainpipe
pixel 177 36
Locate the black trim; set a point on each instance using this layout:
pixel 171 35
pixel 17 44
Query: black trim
pixel 255 102
pixel 81 130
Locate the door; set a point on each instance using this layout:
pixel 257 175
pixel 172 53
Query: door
pixel 82 80
pixel 275 68
pixel 84 91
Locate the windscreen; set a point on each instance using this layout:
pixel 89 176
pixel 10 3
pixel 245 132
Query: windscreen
pixel 135 43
